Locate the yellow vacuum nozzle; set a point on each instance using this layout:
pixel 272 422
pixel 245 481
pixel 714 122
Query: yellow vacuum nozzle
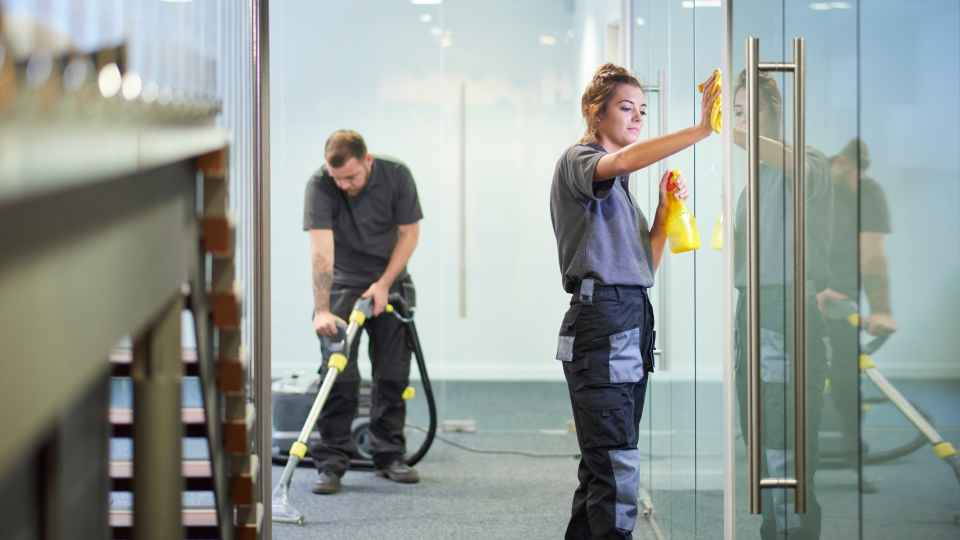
pixel 298 449
pixel 854 320
pixel 389 308
pixel 337 362
pixel 358 317
pixel 409 393
pixel 944 450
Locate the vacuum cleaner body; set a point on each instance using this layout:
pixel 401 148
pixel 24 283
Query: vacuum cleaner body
pixel 292 397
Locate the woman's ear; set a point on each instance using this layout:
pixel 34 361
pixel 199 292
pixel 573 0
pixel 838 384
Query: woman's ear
pixel 597 115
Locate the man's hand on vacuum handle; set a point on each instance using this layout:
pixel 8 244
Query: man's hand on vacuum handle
pixel 325 323
pixel 321 253
pixel 380 290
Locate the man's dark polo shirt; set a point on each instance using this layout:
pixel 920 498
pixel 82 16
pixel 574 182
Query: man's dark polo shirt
pixel 365 227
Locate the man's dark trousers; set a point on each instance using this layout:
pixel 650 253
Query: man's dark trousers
pixel 390 355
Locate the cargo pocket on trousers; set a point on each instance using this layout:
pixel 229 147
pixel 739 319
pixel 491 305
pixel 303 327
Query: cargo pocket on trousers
pixel 409 293
pixel 602 417
pixel 568 333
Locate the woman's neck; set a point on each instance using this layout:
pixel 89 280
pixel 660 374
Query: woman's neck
pixel 607 144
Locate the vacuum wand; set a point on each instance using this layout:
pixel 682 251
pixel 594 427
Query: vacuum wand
pixel 282 510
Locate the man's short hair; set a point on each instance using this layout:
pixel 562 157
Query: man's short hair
pixel 343 145
pixel 851 150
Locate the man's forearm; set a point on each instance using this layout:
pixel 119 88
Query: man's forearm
pixel 399 258
pixel 876 284
pixel 322 280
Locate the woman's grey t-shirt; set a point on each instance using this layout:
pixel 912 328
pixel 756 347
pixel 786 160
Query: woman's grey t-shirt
pixel 601 232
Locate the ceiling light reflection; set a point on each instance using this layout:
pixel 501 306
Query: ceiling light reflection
pixel 109 80
pixel 132 85
pixel 548 40
pixel 825 6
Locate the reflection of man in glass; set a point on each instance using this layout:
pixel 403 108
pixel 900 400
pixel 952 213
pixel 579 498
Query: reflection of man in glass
pixel 841 300
pixel 776 306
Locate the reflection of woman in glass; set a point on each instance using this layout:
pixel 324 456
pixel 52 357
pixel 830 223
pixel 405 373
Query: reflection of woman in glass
pixel 776 303
pixel 608 257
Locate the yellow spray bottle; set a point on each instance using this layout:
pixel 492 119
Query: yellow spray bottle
pixel 717 241
pixel 681 226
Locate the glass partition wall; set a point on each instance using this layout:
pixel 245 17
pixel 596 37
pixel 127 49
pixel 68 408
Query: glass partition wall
pixel 675 47
pixel 479 99
pixel 799 69
pixel 881 165
pixel 909 216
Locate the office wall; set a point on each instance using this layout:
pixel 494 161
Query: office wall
pixel 395 78
pixel 910 121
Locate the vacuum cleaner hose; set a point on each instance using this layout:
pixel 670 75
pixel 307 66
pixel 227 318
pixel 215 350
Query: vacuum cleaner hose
pixel 400 304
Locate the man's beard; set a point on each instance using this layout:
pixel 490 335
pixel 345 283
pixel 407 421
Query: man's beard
pixel 351 193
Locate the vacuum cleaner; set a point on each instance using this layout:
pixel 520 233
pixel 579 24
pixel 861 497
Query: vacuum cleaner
pixel 838 309
pixel 339 346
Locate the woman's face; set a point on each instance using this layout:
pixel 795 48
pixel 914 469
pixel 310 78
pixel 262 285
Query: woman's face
pixel 768 123
pixel 620 125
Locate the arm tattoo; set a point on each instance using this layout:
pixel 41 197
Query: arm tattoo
pixel 322 279
pixel 876 284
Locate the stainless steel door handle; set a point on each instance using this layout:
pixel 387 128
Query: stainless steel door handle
pixel 462 170
pixel 755 482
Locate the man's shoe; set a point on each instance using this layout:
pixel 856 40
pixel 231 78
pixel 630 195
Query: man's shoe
pixel 398 471
pixel 327 484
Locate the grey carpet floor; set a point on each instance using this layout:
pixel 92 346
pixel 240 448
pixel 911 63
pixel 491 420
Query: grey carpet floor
pixel 461 495
pixel 469 495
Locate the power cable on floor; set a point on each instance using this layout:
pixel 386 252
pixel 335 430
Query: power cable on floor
pixel 507 452
pixel 527 454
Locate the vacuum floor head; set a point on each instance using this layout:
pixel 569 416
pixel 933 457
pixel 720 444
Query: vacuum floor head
pixel 282 510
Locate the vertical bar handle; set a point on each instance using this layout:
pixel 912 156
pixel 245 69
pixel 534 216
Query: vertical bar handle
pixel 753 275
pixel 755 482
pixel 800 276
pixel 462 166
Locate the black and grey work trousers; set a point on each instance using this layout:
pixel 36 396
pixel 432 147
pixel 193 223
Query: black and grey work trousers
pixel 390 352
pixel 606 345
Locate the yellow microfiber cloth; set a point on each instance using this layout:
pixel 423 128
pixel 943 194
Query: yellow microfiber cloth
pixel 715 113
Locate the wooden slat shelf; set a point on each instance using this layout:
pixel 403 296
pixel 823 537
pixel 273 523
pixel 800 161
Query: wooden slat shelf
pixel 200 523
pixel 193 418
pixel 122 359
pixel 197 474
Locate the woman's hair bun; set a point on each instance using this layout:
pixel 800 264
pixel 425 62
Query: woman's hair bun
pixel 609 70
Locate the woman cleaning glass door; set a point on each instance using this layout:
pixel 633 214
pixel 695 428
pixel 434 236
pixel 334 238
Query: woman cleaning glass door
pixel 608 255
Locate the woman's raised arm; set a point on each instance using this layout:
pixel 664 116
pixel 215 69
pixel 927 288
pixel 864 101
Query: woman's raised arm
pixel 644 153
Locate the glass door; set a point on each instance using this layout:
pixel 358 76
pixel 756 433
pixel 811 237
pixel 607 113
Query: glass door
pixel 791 87
pixel 674 49
pixel 908 171
pixel 510 109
